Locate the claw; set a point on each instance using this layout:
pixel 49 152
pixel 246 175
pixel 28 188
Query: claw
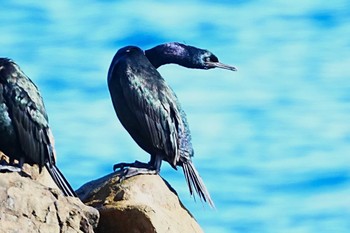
pixel 134 169
pixel 136 164
pixel 9 168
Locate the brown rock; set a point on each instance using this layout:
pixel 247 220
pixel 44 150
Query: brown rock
pixel 141 204
pixel 31 202
pixel 42 177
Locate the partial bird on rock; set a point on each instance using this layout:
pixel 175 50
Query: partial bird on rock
pixel 25 134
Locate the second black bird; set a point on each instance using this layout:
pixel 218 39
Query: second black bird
pixel 25 134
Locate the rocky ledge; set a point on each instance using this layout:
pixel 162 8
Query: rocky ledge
pixel 141 204
pixel 31 202
pixel 28 204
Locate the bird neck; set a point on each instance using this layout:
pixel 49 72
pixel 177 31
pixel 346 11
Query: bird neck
pixel 174 53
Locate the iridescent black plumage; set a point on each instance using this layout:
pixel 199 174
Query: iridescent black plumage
pixel 184 55
pixel 149 109
pixel 24 131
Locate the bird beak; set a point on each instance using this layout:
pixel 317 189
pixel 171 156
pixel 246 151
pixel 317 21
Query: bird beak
pixel 220 65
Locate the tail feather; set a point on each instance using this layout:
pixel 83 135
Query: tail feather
pixel 195 182
pixel 60 180
pixel 187 178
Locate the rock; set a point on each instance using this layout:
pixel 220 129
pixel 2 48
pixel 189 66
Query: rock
pixel 31 202
pixel 143 203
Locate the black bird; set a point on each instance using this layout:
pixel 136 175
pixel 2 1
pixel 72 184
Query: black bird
pixel 25 134
pixel 150 111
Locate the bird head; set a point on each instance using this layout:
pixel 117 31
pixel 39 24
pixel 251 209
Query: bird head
pixel 184 55
pixel 209 61
pixel 189 56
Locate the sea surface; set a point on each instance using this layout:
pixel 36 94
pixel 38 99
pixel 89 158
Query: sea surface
pixel 272 140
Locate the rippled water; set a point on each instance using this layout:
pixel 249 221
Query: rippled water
pixel 271 140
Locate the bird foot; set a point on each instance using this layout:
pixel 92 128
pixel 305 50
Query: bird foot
pixel 133 169
pixel 136 164
pixel 9 168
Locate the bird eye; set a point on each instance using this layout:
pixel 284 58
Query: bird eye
pixel 213 58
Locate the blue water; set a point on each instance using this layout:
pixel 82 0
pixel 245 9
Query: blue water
pixel 271 140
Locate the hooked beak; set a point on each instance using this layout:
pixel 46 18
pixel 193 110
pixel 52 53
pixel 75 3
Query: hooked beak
pixel 211 64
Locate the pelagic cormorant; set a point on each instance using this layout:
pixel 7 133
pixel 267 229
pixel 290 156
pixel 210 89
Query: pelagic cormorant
pixel 24 131
pixel 150 111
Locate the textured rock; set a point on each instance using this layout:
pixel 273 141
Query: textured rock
pixel 31 202
pixel 144 203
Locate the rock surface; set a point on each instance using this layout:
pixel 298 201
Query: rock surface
pixel 140 204
pixel 31 202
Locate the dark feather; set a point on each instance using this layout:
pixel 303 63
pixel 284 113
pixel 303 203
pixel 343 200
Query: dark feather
pixel 30 124
pixel 195 181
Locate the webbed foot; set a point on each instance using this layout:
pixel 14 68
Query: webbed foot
pixel 133 169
